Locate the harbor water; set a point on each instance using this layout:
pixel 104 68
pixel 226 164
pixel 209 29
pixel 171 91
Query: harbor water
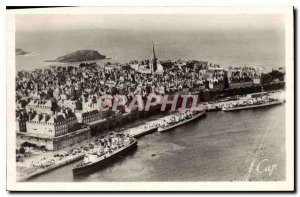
pixel 219 147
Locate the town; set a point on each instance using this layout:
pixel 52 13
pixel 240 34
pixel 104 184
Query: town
pixel 57 107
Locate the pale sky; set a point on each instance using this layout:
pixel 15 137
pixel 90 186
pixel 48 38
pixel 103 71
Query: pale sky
pixel 147 22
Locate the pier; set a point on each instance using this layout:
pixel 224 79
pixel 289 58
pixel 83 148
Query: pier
pixel 52 167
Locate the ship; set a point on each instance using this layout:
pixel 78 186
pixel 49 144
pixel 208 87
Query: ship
pixel 142 130
pixel 180 119
pixel 240 107
pixel 211 107
pixel 111 148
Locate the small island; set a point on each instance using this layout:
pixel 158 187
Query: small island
pixel 80 55
pixel 20 51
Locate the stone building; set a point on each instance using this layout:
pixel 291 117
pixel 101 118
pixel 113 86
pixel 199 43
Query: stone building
pixel 40 106
pixel 216 85
pixel 214 73
pixel 70 104
pixel 55 131
pixel 235 85
pixel 45 125
pixel 21 119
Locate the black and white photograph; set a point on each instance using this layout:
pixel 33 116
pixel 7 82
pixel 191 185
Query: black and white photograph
pixel 150 99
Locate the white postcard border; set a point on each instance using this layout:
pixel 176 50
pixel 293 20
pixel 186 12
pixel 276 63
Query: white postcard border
pixel 13 185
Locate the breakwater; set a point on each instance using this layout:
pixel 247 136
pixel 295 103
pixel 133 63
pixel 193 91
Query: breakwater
pixel 49 168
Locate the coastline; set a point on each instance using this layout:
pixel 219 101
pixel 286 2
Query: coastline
pixel 47 169
pixel 143 128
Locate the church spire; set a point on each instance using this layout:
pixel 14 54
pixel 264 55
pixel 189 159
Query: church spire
pixel 154 61
pixel 154 57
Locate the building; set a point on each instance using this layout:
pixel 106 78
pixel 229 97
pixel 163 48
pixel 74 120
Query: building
pixel 214 73
pixel 257 81
pixel 216 85
pixel 257 95
pixel 215 78
pixel 235 85
pixel 243 77
pixel 40 106
pixel 152 66
pixel 70 118
pixel 155 65
pixel 58 142
pixel 89 105
pixel 45 125
pixel 91 116
pixel 21 119
pixel 70 104
pixel 55 131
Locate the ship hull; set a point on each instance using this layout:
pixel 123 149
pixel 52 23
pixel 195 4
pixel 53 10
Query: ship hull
pixel 79 171
pixel 145 132
pixel 181 123
pixel 252 106
pixel 213 109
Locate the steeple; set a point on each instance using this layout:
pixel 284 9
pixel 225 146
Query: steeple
pixel 153 55
pixel 154 60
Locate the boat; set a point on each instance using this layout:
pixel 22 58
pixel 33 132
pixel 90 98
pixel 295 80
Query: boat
pixel 233 108
pixel 144 130
pixel 211 107
pixel 180 121
pixel 105 154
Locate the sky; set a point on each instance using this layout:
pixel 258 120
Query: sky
pixel 187 22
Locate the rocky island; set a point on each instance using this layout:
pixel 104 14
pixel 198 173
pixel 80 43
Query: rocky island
pixel 20 51
pixel 80 55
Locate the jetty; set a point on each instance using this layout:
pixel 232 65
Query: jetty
pixel 62 162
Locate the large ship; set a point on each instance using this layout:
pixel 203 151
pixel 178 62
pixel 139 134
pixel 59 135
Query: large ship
pixel 255 100
pixel 110 149
pixel 180 119
pixel 142 130
pixel 249 106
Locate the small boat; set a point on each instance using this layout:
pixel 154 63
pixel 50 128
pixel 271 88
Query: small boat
pixel 181 121
pixel 105 155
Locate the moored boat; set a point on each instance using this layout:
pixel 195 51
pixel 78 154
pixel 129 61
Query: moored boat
pixel 143 130
pixel 111 148
pixel 211 107
pixel 177 120
pixel 240 107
